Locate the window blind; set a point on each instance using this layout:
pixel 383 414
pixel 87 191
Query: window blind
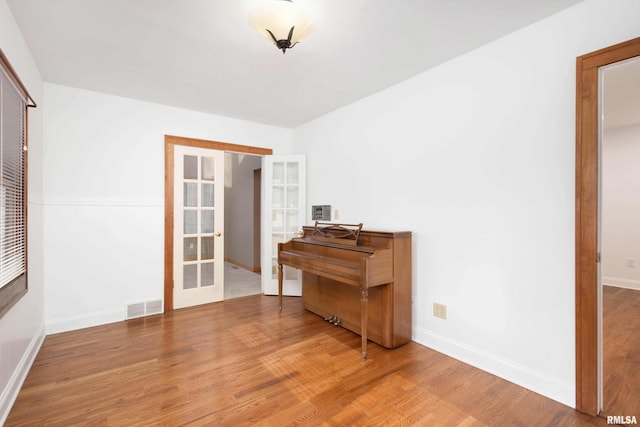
pixel 12 191
pixel 14 100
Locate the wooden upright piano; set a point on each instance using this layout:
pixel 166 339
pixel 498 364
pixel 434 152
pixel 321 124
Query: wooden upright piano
pixel 359 279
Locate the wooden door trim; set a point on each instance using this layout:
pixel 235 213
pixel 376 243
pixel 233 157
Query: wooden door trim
pixel 169 142
pixel 587 147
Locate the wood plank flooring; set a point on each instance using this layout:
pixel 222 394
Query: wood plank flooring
pixel 240 363
pixel 621 351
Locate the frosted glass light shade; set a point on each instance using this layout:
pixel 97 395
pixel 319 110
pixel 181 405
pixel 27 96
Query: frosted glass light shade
pixel 279 16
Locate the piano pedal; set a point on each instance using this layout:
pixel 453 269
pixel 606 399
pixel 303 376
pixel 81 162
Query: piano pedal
pixel 334 319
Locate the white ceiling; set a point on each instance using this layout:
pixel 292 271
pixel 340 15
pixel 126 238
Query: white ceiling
pixel 202 55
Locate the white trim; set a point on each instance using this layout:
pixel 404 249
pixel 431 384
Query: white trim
pixel 621 283
pixel 538 382
pixel 84 321
pixel 10 393
pixel 118 203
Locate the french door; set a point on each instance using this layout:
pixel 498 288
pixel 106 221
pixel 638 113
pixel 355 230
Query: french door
pixel 283 216
pixel 198 239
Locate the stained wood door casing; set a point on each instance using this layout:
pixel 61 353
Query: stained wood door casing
pixel 587 160
pixel 169 142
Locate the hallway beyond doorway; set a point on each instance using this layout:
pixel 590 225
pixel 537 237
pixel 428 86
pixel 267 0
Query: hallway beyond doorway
pixel 239 282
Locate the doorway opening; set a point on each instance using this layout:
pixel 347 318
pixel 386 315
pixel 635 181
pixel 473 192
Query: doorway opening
pixel 170 143
pixel 242 225
pixel 620 237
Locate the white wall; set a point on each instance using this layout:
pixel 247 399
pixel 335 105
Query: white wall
pixel 621 207
pixel 476 157
pixel 239 208
pixel 104 198
pixel 22 328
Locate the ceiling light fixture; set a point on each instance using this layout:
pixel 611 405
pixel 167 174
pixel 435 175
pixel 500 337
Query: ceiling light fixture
pixel 282 22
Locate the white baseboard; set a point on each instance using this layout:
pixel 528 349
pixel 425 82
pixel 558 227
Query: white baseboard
pixel 85 321
pixel 621 283
pixel 10 393
pixel 512 372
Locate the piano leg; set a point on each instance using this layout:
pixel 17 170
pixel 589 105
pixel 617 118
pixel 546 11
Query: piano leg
pixel 280 286
pixel 364 300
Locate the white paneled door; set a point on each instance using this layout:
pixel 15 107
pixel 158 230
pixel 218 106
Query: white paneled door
pixel 283 215
pixel 198 240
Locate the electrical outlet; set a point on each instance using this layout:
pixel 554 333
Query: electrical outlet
pixel 631 263
pixel 440 310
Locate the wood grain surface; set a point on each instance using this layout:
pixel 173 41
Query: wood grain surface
pixel 241 363
pixel 621 351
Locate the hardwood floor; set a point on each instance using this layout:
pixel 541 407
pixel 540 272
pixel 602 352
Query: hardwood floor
pixel 621 351
pixel 241 363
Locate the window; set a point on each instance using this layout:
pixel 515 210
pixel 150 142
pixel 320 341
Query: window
pixel 13 189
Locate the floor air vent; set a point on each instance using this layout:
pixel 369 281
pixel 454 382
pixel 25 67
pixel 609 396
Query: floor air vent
pixel 146 308
pixel 153 307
